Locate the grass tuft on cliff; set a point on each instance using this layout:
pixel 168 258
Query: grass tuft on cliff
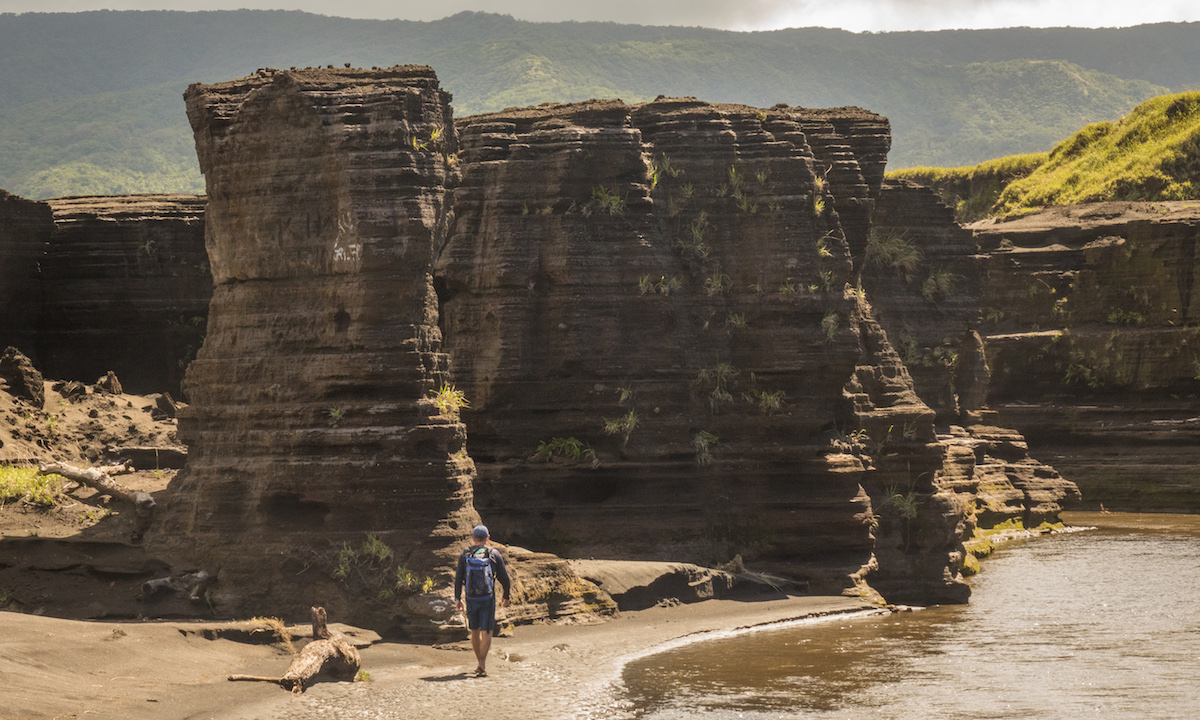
pixel 1152 154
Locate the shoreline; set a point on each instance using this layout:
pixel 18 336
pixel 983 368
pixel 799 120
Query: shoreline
pixel 74 669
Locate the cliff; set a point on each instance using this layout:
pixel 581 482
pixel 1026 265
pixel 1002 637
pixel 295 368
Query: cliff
pixel 93 284
pixel 649 282
pixel 320 463
pixel 654 311
pixel 126 287
pixel 25 228
pixel 1091 323
pixel 683 331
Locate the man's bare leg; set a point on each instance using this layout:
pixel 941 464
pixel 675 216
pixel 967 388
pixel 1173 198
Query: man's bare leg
pixel 481 643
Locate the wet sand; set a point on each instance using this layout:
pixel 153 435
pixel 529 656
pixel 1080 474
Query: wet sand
pixel 70 669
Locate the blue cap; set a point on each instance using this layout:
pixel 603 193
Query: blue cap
pixel 480 531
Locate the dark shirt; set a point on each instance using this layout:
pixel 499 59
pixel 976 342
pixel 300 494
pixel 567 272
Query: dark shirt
pixel 499 570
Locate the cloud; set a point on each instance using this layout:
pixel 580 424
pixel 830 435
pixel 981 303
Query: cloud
pixel 885 15
pixel 856 15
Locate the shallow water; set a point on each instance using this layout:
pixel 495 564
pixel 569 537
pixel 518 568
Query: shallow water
pixel 1103 623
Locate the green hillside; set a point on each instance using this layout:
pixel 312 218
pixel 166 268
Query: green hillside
pixel 91 102
pixel 1153 153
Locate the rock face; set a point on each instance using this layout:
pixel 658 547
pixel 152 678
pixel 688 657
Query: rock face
pixel 25 228
pixel 654 312
pixel 924 274
pixel 98 284
pixel 126 286
pixel 648 282
pixel 1091 328
pixel 315 446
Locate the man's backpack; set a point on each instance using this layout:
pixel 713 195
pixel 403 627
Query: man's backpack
pixel 481 578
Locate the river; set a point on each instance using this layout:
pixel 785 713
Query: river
pixel 1102 623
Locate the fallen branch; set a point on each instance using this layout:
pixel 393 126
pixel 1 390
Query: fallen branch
pixel 192 584
pixel 102 482
pixel 328 653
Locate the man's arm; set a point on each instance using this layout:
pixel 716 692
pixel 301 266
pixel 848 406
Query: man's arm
pixel 460 576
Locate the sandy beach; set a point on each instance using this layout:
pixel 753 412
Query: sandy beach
pixel 55 668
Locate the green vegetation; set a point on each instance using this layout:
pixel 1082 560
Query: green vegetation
pixel 906 506
pixel 939 283
pixel 829 326
pixel 767 402
pixel 647 285
pixel 718 379
pixel 569 448
pixel 19 483
pixel 90 102
pixel 717 283
pixel 622 426
pixel 370 569
pixel 973 190
pixel 449 401
pixel 895 251
pixel 703 443
pixel 1153 153
pixel 605 200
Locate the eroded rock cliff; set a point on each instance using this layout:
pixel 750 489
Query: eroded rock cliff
pixel 126 287
pixel 655 312
pixel 665 287
pixel 98 284
pixel 669 319
pixel 320 467
pixel 1090 314
pixel 25 227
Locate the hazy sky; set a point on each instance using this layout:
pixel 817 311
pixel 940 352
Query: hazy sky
pixel 856 15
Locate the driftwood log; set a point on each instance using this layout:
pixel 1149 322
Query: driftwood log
pixel 328 653
pixel 101 480
pixel 191 583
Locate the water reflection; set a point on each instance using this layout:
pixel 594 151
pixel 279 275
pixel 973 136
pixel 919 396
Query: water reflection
pixel 1097 624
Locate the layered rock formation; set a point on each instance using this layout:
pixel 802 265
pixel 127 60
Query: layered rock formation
pixel 654 312
pixel 1090 316
pixel 98 284
pixel 925 275
pixel 674 273
pixel 317 453
pixel 25 228
pixel 126 286
pixel 308 418
pixel 660 301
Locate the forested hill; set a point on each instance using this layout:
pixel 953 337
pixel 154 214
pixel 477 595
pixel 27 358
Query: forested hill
pixel 91 102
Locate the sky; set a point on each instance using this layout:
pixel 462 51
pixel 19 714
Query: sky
pixel 853 15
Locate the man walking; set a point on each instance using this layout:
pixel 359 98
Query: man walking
pixel 479 567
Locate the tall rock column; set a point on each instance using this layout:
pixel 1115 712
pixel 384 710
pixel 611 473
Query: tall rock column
pixel 311 430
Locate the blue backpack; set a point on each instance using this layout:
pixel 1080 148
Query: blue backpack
pixel 481 578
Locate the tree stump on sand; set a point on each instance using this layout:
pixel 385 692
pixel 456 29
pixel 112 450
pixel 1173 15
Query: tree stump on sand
pixel 328 653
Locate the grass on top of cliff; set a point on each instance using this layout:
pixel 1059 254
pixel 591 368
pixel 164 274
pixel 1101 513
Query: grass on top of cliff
pixel 1153 153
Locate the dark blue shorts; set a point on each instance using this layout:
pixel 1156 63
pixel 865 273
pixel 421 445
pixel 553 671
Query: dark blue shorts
pixel 481 613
